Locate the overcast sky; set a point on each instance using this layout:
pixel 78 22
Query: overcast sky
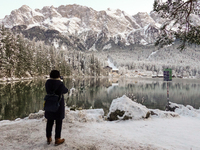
pixel 130 6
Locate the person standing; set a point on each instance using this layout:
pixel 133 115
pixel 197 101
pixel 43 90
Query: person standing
pixel 54 84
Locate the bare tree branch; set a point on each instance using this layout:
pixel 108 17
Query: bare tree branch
pixel 179 13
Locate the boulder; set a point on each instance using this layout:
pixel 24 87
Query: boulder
pixel 171 106
pixel 124 108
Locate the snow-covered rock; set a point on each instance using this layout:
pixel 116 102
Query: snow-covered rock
pixel 124 108
pixel 171 106
pixel 184 110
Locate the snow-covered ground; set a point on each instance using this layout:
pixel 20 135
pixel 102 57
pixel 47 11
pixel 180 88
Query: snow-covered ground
pixel 88 129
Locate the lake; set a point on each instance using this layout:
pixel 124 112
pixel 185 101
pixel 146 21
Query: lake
pixel 19 99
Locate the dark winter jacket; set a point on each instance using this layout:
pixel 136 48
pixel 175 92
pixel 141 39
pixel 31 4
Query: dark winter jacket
pixel 51 85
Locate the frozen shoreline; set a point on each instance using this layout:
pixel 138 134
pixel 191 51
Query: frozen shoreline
pixel 87 129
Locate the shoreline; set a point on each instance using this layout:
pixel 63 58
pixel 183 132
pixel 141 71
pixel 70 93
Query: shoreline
pixel 8 80
pixel 113 82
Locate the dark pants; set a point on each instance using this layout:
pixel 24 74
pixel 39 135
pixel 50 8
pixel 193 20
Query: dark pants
pixel 58 128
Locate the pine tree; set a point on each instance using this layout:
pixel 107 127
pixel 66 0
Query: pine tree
pixel 92 65
pixel 2 52
pixel 24 57
pixel 98 68
pixel 10 51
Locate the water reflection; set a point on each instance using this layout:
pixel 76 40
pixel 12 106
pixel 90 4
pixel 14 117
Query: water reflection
pixel 17 100
pixel 150 92
pixel 20 99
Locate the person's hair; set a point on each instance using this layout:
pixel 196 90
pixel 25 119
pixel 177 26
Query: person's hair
pixel 55 74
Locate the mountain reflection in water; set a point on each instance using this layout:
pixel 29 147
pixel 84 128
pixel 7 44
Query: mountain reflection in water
pixel 18 100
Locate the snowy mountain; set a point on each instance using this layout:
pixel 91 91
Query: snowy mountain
pixel 83 28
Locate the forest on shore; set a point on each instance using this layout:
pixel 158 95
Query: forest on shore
pixel 20 57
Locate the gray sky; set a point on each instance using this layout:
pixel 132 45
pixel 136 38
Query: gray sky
pixel 130 6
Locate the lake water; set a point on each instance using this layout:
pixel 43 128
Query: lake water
pixel 18 100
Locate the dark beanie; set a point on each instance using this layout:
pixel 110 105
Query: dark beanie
pixel 55 74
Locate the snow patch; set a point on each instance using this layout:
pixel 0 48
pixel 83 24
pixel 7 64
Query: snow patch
pixel 38 115
pixel 108 46
pixel 153 53
pixel 143 42
pixel 35 13
pixel 32 25
pixel 93 48
pixel 115 13
pixel 90 115
pixel 110 64
pixel 186 110
pixel 194 20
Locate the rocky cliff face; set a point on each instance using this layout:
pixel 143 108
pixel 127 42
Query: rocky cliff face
pixel 83 28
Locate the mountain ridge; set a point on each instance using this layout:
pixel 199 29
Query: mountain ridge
pixel 90 29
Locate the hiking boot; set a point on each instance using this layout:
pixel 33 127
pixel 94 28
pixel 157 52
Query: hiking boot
pixel 49 139
pixel 59 141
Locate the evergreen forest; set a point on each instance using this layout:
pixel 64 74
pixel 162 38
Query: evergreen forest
pixel 20 57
